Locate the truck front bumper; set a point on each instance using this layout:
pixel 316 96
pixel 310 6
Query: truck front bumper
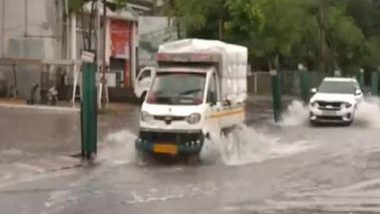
pixel 170 143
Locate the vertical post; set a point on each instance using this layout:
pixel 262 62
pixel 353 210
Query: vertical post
pixel 73 54
pixel 360 78
pixel 322 32
pixel 375 83
pixel 276 94
pixel 304 83
pixel 88 112
pixel 255 76
pixel 2 28
pixel 104 92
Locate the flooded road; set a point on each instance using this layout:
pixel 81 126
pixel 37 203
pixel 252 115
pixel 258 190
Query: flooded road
pixel 279 168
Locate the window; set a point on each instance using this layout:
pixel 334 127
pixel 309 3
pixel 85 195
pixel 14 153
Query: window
pixel 145 74
pixel 177 88
pixel 212 90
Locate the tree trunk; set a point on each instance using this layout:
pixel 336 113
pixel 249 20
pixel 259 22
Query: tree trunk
pixel 221 23
pixel 322 24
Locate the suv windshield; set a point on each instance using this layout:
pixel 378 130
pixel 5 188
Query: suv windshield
pixel 337 87
pixel 177 88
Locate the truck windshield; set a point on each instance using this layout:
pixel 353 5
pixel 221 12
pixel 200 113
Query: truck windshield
pixel 337 87
pixel 177 88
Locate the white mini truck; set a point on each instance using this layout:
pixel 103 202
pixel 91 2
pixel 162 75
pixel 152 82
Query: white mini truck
pixel 199 90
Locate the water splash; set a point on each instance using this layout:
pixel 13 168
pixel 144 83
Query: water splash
pixel 245 145
pixel 368 113
pixel 119 148
pixel 296 114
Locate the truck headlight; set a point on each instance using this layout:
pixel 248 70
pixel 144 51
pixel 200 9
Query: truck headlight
pixel 347 105
pixel 193 118
pixel 146 117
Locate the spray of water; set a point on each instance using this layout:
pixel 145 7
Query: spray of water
pixel 295 115
pixel 245 145
pixel 118 148
pixel 368 113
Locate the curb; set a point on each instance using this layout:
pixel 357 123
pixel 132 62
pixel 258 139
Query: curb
pixel 39 107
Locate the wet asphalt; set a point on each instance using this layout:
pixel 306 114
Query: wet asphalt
pixel 283 168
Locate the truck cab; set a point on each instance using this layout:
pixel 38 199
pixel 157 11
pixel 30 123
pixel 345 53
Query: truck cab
pixel 185 105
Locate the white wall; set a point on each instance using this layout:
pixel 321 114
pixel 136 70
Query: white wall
pixel 32 28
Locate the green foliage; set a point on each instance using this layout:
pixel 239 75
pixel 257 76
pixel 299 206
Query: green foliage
pixel 270 30
pixel 345 39
pixel 288 31
pixel 190 15
pixel 76 5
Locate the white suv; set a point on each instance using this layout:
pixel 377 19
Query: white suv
pixel 335 101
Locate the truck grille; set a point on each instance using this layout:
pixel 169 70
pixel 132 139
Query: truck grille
pixel 169 118
pixel 329 105
pixel 170 137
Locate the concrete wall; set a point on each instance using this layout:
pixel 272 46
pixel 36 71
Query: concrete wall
pixel 30 29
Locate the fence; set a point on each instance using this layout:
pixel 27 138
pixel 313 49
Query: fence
pixel 259 83
pixel 19 75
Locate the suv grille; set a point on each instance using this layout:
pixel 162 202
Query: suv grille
pixel 329 105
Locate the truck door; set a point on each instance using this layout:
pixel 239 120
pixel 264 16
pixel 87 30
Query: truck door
pixel 143 80
pixel 212 101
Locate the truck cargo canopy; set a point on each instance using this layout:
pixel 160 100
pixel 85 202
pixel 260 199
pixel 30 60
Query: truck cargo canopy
pixel 232 60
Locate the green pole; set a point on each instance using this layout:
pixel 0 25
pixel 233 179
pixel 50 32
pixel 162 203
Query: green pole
pixel 89 112
pixel 360 78
pixel 304 83
pixel 375 83
pixel 276 93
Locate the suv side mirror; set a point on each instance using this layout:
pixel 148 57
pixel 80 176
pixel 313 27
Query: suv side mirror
pixel 313 90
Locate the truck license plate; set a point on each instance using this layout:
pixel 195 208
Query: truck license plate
pixel 165 149
pixel 329 113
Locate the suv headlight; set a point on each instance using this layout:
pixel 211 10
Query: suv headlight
pixel 193 118
pixel 347 105
pixel 314 104
pixel 146 117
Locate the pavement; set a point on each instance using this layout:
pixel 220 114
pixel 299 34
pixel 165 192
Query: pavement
pixel 278 168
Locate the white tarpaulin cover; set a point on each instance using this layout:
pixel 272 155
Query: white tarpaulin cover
pixel 233 70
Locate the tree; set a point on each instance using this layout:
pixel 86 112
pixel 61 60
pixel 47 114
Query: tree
pixel 270 28
pixel 189 15
pixel 87 18
pixel 344 39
